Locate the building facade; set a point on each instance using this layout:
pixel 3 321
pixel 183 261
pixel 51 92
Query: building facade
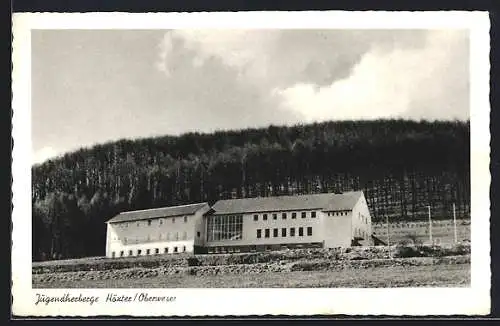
pixel 156 231
pixel 237 225
pixel 272 223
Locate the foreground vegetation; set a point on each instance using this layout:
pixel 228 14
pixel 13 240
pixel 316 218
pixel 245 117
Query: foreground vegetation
pixel 187 260
pixel 348 267
pixel 402 166
pixel 399 276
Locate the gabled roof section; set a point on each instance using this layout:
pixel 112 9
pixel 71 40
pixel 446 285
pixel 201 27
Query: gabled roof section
pixel 157 213
pixel 326 202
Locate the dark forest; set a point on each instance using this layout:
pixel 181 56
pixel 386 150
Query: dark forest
pixel 402 167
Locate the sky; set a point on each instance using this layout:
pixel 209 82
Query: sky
pixel 95 86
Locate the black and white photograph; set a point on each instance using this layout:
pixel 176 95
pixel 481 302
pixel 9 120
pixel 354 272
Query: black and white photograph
pixel 250 158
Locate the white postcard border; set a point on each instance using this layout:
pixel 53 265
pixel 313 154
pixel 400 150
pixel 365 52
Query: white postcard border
pixel 221 302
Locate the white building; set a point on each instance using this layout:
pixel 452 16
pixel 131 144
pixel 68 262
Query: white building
pixel 236 225
pixel 156 231
pixel 269 223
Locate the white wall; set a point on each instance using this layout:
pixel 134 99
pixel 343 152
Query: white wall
pixel 166 232
pixel 152 246
pixel 337 230
pixel 361 221
pixel 249 236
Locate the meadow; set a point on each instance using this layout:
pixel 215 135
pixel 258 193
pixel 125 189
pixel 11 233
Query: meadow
pixel 456 275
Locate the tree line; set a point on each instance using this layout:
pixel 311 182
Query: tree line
pixel 402 166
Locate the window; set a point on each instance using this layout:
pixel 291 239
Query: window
pixel 256 217
pixel 283 232
pixel 184 235
pixel 294 215
pixel 161 221
pixel 275 233
pixel 125 240
pixel 121 253
pixel 224 227
pixel 148 251
pixel 259 233
pixel 275 216
pixel 301 232
pixel 198 234
pixel 292 232
pixel 166 250
pixel 283 216
pixel 184 249
pixel 176 236
pixel 266 233
pixel 139 252
pixel 264 217
pixel 126 225
pixel 173 220
pixel 130 253
pixel 309 231
pixel 303 214
pixel 313 214
pixel 113 254
pixel 175 249
pixel 149 222
pixel 185 219
pixel 168 236
pixel 149 237
pixel 159 236
pixel 157 251
pixel 138 223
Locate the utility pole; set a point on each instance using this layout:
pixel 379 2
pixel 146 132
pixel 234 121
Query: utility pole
pixel 430 224
pixel 455 223
pixel 388 236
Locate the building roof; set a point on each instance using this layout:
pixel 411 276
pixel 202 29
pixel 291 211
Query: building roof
pixel 325 202
pixel 157 212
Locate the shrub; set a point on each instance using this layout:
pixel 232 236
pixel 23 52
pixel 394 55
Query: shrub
pixel 407 251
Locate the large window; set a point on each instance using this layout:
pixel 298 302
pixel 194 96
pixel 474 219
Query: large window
pixel 309 231
pixel 301 232
pixel 259 233
pixel 225 227
pixel 275 233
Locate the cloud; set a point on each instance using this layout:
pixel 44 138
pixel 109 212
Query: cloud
pixel 43 154
pixel 430 82
pixel 235 78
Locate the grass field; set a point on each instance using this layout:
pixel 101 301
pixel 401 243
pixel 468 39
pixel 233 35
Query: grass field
pixel 397 276
pixel 442 231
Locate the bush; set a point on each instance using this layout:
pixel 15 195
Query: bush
pixel 407 252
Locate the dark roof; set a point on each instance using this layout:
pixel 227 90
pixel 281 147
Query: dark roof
pixel 325 202
pixel 157 212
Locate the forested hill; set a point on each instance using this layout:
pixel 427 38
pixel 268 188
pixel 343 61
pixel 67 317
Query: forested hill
pixel 402 166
